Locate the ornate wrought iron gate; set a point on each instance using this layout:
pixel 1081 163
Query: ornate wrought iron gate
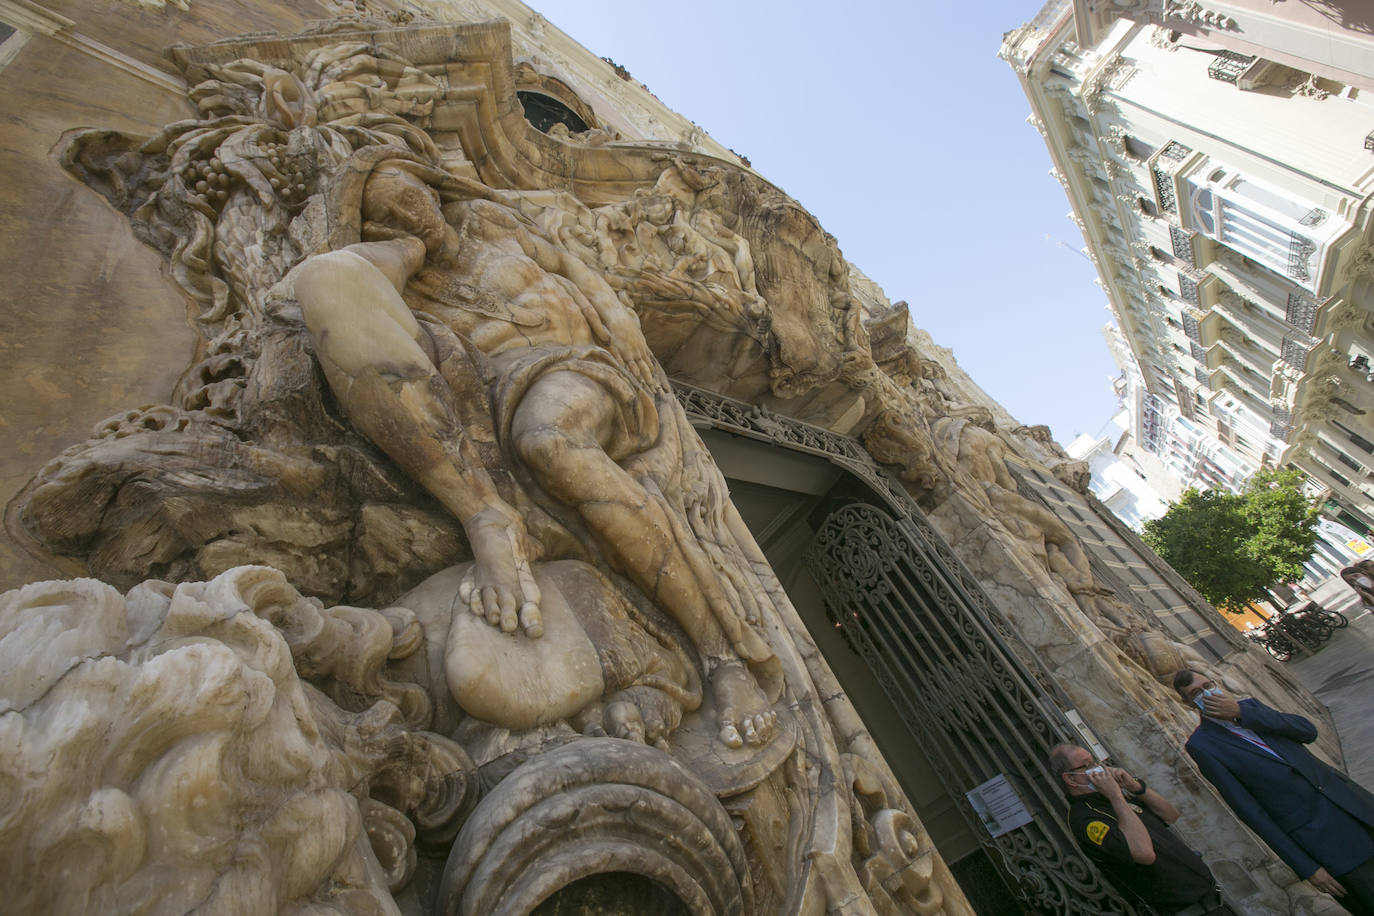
pixel 956 685
pixel 965 683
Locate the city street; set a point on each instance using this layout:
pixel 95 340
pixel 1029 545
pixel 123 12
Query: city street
pixel 1342 676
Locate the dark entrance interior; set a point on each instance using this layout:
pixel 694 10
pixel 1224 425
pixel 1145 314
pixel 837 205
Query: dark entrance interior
pixel 613 894
pixel 784 496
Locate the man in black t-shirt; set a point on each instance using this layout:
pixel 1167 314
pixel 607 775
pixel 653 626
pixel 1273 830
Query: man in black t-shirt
pixel 1123 825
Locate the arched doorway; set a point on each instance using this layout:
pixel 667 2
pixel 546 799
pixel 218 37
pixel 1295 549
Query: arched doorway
pixel 950 693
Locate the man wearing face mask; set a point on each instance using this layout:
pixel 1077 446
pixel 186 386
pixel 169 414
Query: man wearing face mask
pixel 1313 816
pixel 1123 825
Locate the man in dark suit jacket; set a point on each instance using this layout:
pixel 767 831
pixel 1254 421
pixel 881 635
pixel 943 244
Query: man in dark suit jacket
pixel 1314 817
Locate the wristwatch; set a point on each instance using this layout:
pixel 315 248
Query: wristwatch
pixel 1141 791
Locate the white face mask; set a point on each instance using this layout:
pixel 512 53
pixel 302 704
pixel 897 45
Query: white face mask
pixel 1207 692
pixel 1086 782
pixel 1364 581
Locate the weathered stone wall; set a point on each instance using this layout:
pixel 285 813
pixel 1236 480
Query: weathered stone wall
pixel 378 332
pixel 348 390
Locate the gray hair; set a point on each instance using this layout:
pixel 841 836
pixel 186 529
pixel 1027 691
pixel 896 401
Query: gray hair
pixel 1060 762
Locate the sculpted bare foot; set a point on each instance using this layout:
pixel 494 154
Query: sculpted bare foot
pixel 644 714
pixel 623 720
pixel 745 714
pixel 641 714
pixel 500 587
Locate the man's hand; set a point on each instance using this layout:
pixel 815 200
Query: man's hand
pixel 1125 780
pixel 1223 706
pixel 1323 882
pixel 1106 783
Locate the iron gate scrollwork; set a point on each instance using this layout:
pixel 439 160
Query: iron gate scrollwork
pixel 985 704
pixel 959 689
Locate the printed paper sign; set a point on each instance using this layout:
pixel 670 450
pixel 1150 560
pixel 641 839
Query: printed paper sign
pixel 998 806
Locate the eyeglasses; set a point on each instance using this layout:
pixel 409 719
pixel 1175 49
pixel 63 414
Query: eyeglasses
pixel 1085 769
pixel 1191 693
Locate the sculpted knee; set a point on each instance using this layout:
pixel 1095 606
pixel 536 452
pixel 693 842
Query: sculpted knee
pixel 327 285
pixel 543 447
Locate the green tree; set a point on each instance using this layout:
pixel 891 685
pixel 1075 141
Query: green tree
pixel 1231 547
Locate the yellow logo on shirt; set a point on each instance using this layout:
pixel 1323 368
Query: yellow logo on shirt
pixel 1097 831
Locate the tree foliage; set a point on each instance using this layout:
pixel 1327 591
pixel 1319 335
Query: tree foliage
pixel 1230 547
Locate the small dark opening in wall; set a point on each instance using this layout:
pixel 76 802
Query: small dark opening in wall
pixel 544 111
pixel 6 30
pixel 613 894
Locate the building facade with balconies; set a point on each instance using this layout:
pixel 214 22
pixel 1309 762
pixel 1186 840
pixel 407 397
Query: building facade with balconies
pixel 1225 198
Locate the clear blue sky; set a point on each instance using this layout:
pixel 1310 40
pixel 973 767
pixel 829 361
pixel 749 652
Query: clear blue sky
pixel 899 127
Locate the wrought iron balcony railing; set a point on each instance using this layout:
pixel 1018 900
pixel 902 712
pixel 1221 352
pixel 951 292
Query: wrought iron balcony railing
pixel 1229 66
pixel 1191 327
pixel 1187 288
pixel 1164 188
pixel 1300 250
pixel 1175 151
pixel 1182 243
pixel 1302 312
pixel 1295 349
pixel 1281 427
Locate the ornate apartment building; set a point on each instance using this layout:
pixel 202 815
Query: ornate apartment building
pixel 1220 164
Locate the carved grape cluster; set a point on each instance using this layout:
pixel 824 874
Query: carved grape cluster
pixel 211 178
pixel 290 178
pixel 208 180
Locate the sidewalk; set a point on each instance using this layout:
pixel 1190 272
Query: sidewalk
pixel 1341 675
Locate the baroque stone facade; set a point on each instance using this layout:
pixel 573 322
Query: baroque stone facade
pixel 443 576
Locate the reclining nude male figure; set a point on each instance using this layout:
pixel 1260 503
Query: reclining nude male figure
pixel 573 401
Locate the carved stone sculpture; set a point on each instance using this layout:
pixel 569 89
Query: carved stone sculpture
pixel 572 394
pixel 1054 551
pixel 430 381
pixel 226 745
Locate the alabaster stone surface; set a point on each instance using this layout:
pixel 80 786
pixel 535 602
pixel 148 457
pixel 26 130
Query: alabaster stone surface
pixel 231 746
pixel 412 585
pixel 428 379
pixel 164 755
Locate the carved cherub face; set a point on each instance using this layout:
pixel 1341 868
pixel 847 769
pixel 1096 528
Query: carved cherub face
pixel 395 202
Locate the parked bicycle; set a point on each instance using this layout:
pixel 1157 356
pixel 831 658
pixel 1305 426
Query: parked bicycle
pixel 1336 618
pixel 1275 641
pixel 1289 632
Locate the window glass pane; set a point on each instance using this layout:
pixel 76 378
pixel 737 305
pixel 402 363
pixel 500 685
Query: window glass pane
pixel 1265 196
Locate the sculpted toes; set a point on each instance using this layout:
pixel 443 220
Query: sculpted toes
pixel 752 733
pixel 764 725
pixel 531 620
pixel 491 606
pixel 655 728
pixel 470 595
pixel 623 720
